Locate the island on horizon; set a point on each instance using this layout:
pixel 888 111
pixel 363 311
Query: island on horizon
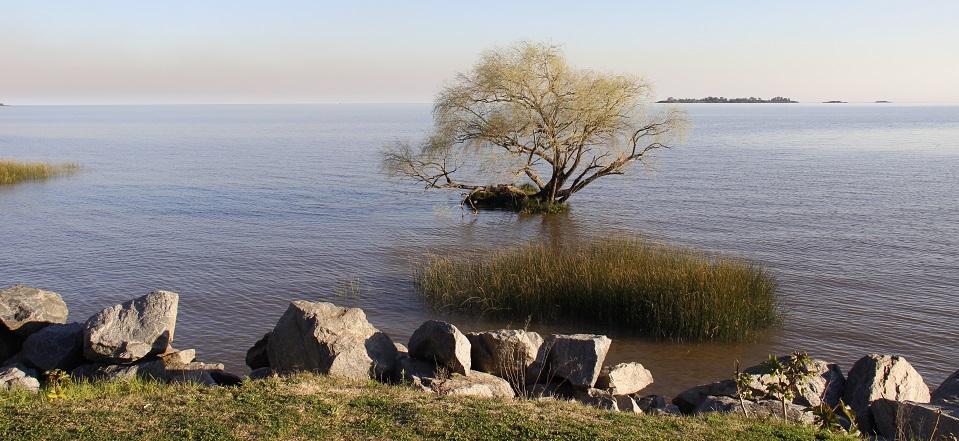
pixel 720 99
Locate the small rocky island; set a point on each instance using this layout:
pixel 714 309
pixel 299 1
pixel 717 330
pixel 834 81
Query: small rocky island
pixel 720 99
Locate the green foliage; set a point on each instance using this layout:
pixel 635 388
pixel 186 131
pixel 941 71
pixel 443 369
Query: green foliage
pixel 743 390
pixel 308 406
pixel 652 289
pixel 12 172
pixel 789 375
pixel 57 383
pixel 842 422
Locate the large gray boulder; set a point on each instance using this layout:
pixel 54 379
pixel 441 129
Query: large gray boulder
pixel 132 330
pixel 443 344
pixel 325 338
pixel 948 392
pixel 256 356
pixel 477 384
pixel 624 378
pixel 577 358
pixel 506 353
pixel 761 408
pixel 57 346
pixel 875 377
pixel 25 310
pixel 897 420
pixel 19 378
pixel 825 384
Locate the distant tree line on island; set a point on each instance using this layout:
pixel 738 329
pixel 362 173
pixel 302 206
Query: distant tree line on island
pixel 720 99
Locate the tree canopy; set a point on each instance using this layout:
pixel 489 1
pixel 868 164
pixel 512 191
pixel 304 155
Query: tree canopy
pixel 522 115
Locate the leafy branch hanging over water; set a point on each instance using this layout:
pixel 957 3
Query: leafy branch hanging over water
pixel 652 289
pixel 522 115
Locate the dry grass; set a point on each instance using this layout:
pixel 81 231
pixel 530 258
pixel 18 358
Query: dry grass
pixel 14 172
pixel 309 406
pixel 656 290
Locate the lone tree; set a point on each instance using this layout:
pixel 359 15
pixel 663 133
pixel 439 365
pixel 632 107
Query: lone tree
pixel 537 128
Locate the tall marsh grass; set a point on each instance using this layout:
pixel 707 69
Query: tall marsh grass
pixel 656 290
pixel 13 172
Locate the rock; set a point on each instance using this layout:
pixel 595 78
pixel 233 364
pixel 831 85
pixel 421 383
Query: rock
pixel 559 391
pixel 224 378
pixel 194 372
pixel 257 357
pixel 597 398
pixel 882 376
pixel 19 378
pixel 624 379
pixel 896 420
pixel 9 344
pixel 401 348
pixel 825 384
pixel 626 403
pixel 649 402
pixel 132 330
pixel 328 339
pixel 691 398
pixel 25 310
pixel 261 373
pixel 577 358
pixel 175 357
pixel 507 353
pixel 762 408
pixel 413 370
pixel 57 346
pixel 656 405
pixel 443 344
pixel 477 384
pixel 146 370
pixel 948 392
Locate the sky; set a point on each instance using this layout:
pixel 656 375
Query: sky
pixel 137 52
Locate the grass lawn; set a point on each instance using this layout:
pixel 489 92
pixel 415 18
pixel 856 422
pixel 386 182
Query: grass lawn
pixel 309 406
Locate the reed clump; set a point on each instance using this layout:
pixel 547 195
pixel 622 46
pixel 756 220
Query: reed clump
pixel 14 172
pixel 656 290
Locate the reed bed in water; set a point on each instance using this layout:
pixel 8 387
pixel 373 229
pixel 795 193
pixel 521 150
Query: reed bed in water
pixel 13 172
pixel 656 290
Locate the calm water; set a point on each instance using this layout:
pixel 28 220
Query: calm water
pixel 243 208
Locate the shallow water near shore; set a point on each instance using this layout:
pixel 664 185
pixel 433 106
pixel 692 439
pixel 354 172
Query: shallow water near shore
pixel 242 208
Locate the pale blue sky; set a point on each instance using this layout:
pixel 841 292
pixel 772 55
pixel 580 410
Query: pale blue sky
pixel 379 51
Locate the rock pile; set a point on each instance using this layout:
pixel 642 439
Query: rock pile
pixel 440 359
pixel 132 339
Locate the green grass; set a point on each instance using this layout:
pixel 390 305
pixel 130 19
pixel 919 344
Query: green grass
pixel 13 172
pixel 316 407
pixel 655 290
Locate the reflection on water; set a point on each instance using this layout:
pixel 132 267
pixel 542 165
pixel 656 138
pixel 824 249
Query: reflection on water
pixel 242 208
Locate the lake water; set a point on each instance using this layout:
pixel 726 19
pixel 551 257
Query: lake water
pixel 242 208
